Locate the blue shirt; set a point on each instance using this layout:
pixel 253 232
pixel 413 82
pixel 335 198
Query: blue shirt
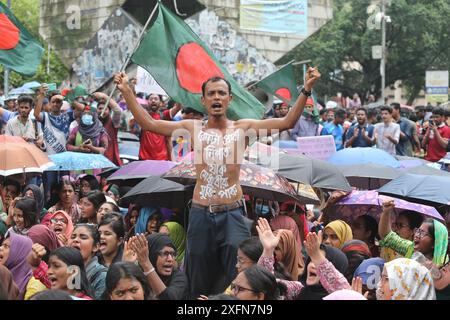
pixel 360 141
pixel 337 131
pixel 404 147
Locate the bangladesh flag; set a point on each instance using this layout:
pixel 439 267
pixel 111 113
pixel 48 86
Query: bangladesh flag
pixel 180 62
pixel 19 51
pixel 281 84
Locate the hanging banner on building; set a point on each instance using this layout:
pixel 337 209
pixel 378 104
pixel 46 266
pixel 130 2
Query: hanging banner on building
pixel 278 16
pixel 146 83
pixel 437 86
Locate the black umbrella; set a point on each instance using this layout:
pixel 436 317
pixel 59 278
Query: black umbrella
pixel 426 189
pixel 369 176
pixel 299 168
pixel 155 191
pixel 428 171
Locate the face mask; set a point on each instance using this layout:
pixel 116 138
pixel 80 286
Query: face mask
pixel 87 119
pixel 262 210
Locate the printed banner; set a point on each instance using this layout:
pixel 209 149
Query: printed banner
pixel 437 86
pixel 278 16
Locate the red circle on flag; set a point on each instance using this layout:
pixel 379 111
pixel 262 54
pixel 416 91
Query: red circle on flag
pixel 285 93
pixel 195 66
pixel 10 34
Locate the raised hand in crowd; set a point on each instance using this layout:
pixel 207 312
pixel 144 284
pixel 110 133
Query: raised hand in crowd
pixel 357 285
pixel 312 245
pixel 129 255
pixel 36 254
pixel 268 240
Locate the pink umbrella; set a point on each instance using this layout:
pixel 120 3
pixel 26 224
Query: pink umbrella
pixel 359 203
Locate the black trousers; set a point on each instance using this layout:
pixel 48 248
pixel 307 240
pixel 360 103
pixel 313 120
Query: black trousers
pixel 211 252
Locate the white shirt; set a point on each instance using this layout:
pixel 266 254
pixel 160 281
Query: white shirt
pixel 383 143
pixel 15 127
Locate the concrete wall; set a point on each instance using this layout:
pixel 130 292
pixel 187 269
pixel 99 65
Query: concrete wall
pixel 272 45
pixel 59 26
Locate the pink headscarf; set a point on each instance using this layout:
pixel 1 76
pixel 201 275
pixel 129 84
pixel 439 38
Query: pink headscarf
pixel 69 228
pixel 285 222
pixel 344 294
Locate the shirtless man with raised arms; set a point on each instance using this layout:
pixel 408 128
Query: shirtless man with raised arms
pixel 216 220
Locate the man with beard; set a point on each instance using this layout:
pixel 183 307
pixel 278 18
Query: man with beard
pixel 155 146
pixel 361 133
pixel 23 126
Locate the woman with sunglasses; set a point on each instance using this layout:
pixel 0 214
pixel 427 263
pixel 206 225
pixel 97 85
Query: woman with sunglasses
pixel 430 239
pixel 156 255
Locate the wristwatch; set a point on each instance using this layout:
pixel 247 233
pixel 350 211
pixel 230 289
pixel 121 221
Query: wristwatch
pixel 305 93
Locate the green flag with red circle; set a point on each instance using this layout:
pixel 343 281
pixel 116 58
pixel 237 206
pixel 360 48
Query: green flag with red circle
pixel 180 62
pixel 281 84
pixel 19 51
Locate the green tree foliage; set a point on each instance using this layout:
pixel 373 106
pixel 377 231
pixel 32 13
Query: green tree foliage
pixel 27 11
pixel 418 39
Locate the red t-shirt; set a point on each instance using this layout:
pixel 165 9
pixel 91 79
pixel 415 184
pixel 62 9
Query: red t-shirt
pixel 435 152
pixel 153 146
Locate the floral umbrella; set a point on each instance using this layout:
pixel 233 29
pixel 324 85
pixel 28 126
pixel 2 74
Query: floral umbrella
pixel 256 181
pixel 369 202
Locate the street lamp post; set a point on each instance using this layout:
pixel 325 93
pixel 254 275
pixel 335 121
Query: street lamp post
pixel 384 51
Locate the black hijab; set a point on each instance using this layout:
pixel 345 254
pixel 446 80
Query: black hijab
pixel 317 292
pixel 38 198
pixel 157 242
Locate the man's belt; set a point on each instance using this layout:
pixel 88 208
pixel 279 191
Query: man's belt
pixel 218 208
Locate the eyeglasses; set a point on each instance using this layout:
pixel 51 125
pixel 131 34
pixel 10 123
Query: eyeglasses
pixel 236 289
pixel 63 221
pixel 421 233
pixel 166 254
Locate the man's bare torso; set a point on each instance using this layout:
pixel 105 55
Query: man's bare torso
pixel 218 158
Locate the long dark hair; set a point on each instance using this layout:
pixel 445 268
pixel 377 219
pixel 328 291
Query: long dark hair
pixel 252 248
pixel 28 207
pixel 124 270
pixel 262 281
pixel 72 257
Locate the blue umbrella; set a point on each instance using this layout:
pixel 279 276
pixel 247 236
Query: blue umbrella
pixel 425 189
pixel 21 90
pixel 79 161
pixel 31 85
pixel 352 156
pixel 129 151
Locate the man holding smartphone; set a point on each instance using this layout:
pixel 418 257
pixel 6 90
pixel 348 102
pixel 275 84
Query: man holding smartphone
pixel 436 138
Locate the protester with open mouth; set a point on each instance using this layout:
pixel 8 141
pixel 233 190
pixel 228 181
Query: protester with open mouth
pixel 13 255
pixel 85 238
pixel 126 281
pixel 64 264
pixel 112 233
pixel 61 224
pixel 105 208
pixel 156 255
pixel 430 239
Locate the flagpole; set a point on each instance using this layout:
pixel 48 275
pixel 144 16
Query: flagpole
pixel 127 60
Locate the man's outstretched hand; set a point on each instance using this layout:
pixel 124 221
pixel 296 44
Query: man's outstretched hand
pixel 121 79
pixel 312 75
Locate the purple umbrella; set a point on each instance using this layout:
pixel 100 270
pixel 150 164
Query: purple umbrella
pixel 359 203
pixel 139 170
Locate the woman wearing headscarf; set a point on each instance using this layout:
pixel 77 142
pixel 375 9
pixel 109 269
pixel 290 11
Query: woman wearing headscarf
pixel 89 136
pixel 13 255
pixel 344 294
pixel 67 201
pixel 336 233
pixel 156 255
pixel 405 279
pixel 177 234
pixel 287 253
pixel 356 251
pixel 61 224
pixel 431 239
pixel 6 280
pixel 34 192
pixel 328 271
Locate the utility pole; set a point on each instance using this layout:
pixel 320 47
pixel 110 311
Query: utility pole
pixel 6 76
pixel 384 51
